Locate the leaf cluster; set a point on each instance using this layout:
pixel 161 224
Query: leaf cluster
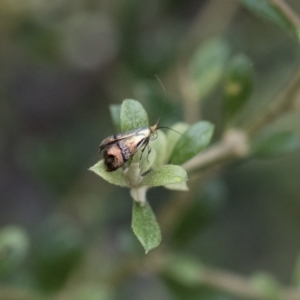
pixel 158 167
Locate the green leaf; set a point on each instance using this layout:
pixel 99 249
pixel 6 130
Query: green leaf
pixel 115 111
pixel 173 137
pixel 269 11
pixel 145 226
pixel 207 65
pixel 116 177
pixel 238 84
pixel 14 244
pixel 275 144
pixel 194 140
pixel 133 115
pixel 165 175
pixel 160 146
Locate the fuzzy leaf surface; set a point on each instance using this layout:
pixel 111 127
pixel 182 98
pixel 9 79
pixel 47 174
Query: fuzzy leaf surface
pixel 145 226
pixel 133 115
pixel 116 177
pixel 165 175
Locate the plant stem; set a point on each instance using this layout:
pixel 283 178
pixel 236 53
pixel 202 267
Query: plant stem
pixel 234 145
pixel 241 286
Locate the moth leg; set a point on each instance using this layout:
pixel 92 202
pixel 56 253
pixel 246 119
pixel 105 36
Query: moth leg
pixel 146 144
pixel 129 161
pixel 149 150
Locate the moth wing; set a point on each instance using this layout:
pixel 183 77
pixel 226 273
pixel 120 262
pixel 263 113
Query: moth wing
pixel 114 138
pixel 134 143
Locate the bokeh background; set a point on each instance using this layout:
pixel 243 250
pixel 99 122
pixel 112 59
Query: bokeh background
pixel 62 63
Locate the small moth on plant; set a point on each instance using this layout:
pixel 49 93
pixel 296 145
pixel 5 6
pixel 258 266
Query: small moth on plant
pixel 120 147
pixel 160 168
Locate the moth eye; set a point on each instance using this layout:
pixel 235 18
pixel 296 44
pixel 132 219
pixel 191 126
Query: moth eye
pixel 153 136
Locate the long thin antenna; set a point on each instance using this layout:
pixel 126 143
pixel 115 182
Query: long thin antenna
pixel 161 84
pixel 165 92
pixel 169 129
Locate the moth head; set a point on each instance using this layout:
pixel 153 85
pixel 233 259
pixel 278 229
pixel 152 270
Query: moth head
pixel 154 127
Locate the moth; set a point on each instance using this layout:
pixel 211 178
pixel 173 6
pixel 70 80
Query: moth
pixel 121 147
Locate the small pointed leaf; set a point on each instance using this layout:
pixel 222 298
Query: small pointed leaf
pixel 173 137
pixel 133 115
pixel 194 140
pixel 145 226
pixel 116 177
pixel 165 175
pixel 238 84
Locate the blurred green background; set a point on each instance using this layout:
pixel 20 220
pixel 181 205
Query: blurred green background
pixel 62 63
